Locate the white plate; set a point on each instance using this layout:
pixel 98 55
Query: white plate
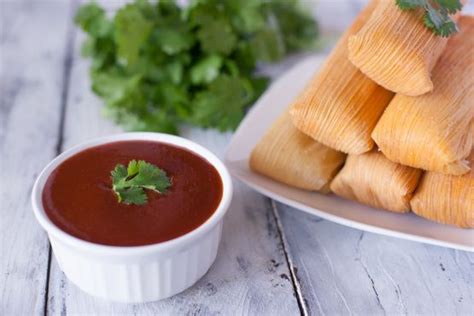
pixel 330 207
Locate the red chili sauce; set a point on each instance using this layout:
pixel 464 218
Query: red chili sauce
pixel 79 199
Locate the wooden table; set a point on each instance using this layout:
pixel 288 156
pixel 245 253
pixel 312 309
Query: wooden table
pixel 273 260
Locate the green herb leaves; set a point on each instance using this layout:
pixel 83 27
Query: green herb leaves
pixel 157 65
pixel 129 183
pixel 131 31
pixel 436 15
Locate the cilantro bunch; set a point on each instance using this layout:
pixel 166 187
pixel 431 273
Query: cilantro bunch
pixel 437 12
pixel 158 65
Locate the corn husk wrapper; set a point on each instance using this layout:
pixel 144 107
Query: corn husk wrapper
pixel 288 156
pixel 374 180
pixel 446 198
pixel 435 131
pixel 396 50
pixel 340 106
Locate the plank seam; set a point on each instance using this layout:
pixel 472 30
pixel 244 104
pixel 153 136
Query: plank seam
pixel 46 286
pixel 66 75
pixel 68 60
pixel 289 261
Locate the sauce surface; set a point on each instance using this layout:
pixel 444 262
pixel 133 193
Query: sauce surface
pixel 79 199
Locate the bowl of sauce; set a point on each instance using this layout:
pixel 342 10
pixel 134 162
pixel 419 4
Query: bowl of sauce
pixel 133 217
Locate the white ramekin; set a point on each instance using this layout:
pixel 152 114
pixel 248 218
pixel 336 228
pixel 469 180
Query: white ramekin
pixel 142 273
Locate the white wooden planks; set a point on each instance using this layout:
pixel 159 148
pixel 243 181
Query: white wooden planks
pixel 347 271
pixel 337 270
pixel 250 275
pixel 32 51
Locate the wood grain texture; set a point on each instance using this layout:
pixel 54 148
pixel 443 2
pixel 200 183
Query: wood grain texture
pixel 250 274
pixel 345 271
pixel 30 109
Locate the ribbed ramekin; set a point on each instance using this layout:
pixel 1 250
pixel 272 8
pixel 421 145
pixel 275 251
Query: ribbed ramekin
pixel 141 273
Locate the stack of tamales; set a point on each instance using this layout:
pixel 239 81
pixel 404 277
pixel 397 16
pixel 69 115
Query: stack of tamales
pixel 398 100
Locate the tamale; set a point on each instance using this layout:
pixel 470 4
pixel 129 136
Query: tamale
pixel 435 131
pixel 396 50
pixel 446 198
pixel 374 180
pixel 288 156
pixel 340 106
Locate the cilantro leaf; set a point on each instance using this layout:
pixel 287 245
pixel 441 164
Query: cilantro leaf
pixel 131 31
pixel 235 93
pixel 206 70
pixel 439 22
pixel 119 173
pixel 267 45
pixel 93 20
pixel 132 195
pixel 173 40
pixel 129 183
pixel 100 45
pixel 436 17
pixel 246 16
pixel 216 36
pixel 442 28
pixel 410 4
pixel 148 176
pixel 452 6
pixel 297 29
pixel 119 90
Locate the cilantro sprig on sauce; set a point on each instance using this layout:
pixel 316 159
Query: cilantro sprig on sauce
pixel 129 183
